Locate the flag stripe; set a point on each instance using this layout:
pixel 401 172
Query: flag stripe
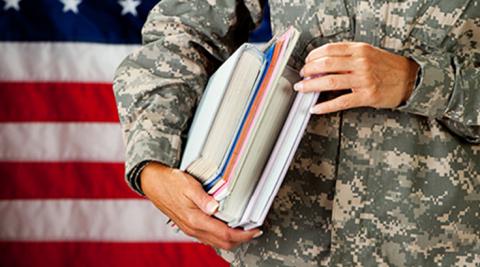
pixel 64 201
pixel 61 62
pixel 92 21
pixel 93 254
pixel 101 142
pixel 57 180
pixel 84 220
pixel 61 102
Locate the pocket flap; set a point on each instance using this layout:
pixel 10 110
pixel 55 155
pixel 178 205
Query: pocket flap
pixel 333 17
pixel 434 25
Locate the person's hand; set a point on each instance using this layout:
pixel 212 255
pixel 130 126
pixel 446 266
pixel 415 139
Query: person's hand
pixel 377 78
pixel 180 197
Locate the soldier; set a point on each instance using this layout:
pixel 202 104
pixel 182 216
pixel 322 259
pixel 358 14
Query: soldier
pixel 388 173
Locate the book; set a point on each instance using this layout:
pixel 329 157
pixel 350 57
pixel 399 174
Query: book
pixel 246 129
pixel 279 162
pixel 223 96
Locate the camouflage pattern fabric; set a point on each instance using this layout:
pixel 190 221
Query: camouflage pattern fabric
pixel 367 187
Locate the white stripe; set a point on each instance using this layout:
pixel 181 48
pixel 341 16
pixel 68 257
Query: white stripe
pixel 100 142
pixel 45 61
pixel 84 220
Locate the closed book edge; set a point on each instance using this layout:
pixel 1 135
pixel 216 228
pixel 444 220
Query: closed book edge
pixel 233 107
pixel 273 55
pixel 248 122
pixel 258 153
pixel 254 158
pixel 207 109
pixel 247 57
pixel 279 162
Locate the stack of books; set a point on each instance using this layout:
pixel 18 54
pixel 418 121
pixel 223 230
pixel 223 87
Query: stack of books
pixel 246 129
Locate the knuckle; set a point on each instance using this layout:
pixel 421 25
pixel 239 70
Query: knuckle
pixel 194 185
pixel 203 197
pixel 365 63
pixel 328 48
pixel 364 48
pixel 331 82
pixel 316 69
pixel 325 62
pixel 308 69
pixel 313 53
pixel 192 221
pixel 226 236
pixel 189 191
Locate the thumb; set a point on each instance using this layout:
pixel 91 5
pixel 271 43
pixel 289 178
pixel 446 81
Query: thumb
pixel 203 200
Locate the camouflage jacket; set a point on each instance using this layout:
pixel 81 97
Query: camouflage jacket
pixel 367 187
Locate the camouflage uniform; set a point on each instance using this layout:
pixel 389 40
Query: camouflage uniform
pixel 367 187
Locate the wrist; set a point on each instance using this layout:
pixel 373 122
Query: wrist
pixel 152 170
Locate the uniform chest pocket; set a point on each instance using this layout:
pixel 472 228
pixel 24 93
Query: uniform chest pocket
pixel 431 30
pixel 325 21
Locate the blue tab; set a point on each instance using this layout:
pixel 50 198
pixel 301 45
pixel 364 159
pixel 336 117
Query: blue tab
pixel 268 58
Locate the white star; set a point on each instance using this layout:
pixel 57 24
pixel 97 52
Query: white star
pixel 129 6
pixel 11 4
pixel 70 5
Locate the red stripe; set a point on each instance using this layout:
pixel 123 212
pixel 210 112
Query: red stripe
pixel 53 180
pixel 84 254
pixel 42 102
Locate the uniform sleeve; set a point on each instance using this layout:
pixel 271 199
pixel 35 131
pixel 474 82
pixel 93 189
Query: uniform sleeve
pixel 158 86
pixel 448 85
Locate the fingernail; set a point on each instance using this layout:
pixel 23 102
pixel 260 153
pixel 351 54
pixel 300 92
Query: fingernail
pixel 212 206
pixel 301 72
pixel 258 234
pixel 313 110
pixel 298 86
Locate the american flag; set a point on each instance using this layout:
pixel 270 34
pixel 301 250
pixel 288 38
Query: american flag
pixel 63 199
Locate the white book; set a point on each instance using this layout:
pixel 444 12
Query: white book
pixel 259 149
pixel 279 161
pixel 263 134
pixel 227 76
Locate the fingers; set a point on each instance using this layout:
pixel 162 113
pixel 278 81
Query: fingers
pixel 199 224
pixel 182 198
pixel 200 198
pixel 332 50
pixel 215 241
pixel 342 49
pixel 327 65
pixel 342 102
pixel 206 237
pixel 327 83
pixel 215 227
pixel 215 232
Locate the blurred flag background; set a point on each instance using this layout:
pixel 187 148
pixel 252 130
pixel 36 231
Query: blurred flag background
pixel 63 199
